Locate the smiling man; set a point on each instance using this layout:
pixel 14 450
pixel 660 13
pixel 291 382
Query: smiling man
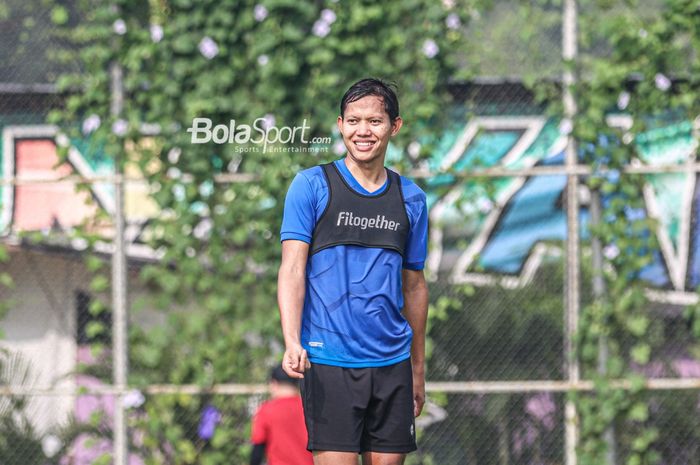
pixel 353 300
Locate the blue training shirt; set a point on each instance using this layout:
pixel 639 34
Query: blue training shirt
pixel 352 307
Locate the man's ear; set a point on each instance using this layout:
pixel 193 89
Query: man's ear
pixel 396 125
pixel 339 122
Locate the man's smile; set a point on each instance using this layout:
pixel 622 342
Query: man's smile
pixel 364 145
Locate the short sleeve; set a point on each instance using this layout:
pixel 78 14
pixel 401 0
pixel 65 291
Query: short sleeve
pixel 417 241
pixel 299 217
pixel 258 433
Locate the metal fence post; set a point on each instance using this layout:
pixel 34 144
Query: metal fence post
pixel 119 313
pixel 598 292
pixel 569 52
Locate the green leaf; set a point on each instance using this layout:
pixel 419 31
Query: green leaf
pixel 6 280
pixel 59 15
pixel 94 329
pixel 96 307
pixel 638 412
pixel 93 263
pixel 638 325
pixel 186 451
pixel 640 353
pixel 99 284
pixel 104 459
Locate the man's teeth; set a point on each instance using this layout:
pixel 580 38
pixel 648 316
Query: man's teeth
pixel 364 144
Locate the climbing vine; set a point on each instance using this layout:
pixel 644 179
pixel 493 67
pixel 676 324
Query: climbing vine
pixel 647 76
pixel 267 64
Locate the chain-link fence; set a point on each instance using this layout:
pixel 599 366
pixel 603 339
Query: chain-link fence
pixel 496 361
pixel 497 354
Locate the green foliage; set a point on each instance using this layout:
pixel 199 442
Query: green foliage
pixel 653 87
pixel 218 241
pixel 495 333
pixel 170 427
pixel 20 443
pixel 6 282
pixel 233 60
pixel 501 337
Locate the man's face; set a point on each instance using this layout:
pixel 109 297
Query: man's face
pixel 366 129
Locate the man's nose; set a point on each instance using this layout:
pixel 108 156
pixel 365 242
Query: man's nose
pixel 363 129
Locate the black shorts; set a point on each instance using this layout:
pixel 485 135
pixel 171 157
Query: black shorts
pixel 359 409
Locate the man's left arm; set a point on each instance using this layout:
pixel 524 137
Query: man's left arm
pixel 415 294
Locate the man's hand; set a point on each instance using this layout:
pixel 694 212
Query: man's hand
pixel 418 393
pixel 295 361
pixel 290 297
pixel 415 296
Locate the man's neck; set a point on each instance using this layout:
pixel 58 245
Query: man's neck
pixel 370 176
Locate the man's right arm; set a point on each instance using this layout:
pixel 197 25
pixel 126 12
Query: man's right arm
pixel 297 230
pixel 291 287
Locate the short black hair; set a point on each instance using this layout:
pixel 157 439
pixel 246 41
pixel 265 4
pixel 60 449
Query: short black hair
pixel 376 87
pixel 278 374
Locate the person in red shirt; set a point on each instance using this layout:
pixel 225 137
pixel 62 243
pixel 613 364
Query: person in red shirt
pixel 278 428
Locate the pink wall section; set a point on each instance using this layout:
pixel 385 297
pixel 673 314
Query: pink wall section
pixel 37 205
pixel 86 449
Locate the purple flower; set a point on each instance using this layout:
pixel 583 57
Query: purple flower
pixel 662 82
pixel 207 423
pixel 268 121
pixel 524 436
pixel 635 214
pixel 484 204
pixel 174 155
pixel 339 147
pixel 613 176
pixel 623 100
pixel 119 127
pixel 328 16
pixel 542 407
pixel 133 399
pixel 321 28
pixel 91 124
pixel 430 48
pixel 260 12
pixel 452 21
pixel 687 368
pixel 566 126
pixel 203 230
pixel 611 251
pixel 119 27
pixel 156 32
pixel 208 48
pixel 653 369
pixel 51 445
pixel 173 173
pixel 476 404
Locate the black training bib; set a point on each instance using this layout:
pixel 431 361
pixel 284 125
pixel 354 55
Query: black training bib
pixel 351 218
